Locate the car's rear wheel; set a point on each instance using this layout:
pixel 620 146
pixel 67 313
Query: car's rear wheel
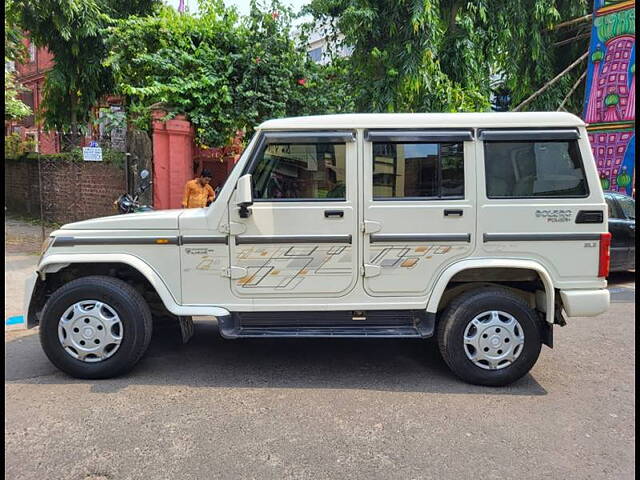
pixel 489 336
pixel 95 327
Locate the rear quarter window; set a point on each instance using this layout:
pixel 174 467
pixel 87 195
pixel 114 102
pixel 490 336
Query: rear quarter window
pixel 533 169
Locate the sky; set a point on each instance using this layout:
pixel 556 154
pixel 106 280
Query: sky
pixel 241 5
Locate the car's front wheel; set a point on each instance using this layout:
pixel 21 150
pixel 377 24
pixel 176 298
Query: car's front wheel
pixel 95 327
pixel 489 336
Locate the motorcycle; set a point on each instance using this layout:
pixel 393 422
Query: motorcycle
pixel 127 203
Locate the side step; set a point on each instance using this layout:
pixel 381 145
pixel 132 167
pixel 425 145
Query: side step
pixel 370 324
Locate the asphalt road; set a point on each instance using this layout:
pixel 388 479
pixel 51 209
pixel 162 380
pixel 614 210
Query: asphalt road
pixel 318 409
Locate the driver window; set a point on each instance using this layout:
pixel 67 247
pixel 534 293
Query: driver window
pixel 301 171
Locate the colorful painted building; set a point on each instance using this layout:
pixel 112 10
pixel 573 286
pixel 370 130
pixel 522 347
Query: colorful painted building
pixel 610 93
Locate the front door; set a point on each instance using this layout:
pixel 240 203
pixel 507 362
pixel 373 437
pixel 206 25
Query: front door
pixel 419 213
pixel 300 238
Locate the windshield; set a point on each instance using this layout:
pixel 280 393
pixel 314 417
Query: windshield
pixel 628 206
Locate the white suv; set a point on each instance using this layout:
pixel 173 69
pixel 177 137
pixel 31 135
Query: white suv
pixel 483 229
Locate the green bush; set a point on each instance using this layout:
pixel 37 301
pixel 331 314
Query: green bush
pixel 109 156
pixel 225 72
pixel 15 147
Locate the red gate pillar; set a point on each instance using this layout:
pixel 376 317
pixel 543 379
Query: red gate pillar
pixel 172 159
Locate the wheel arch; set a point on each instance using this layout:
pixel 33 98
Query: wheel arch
pixel 56 263
pixel 445 278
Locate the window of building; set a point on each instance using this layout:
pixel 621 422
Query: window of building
pixel 32 53
pixel 27 97
pixel 534 169
pixel 316 54
pixel 418 170
pixel 309 171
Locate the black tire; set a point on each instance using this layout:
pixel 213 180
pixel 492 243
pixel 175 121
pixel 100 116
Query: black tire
pixel 456 317
pixel 125 300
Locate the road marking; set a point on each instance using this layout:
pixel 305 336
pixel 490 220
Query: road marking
pixel 14 320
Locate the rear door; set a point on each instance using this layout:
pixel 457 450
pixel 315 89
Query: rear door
pixel 532 185
pixel 300 239
pixel 419 211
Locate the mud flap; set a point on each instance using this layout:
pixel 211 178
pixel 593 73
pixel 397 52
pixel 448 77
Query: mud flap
pixel 546 332
pixel 186 328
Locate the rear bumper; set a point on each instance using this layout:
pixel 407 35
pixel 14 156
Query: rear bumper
pixel 585 303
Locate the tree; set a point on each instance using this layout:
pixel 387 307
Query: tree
pixel 450 55
pixel 14 51
pixel 72 31
pixel 14 108
pixel 225 72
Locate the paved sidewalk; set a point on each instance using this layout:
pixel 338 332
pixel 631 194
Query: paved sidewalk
pixel 23 237
pixel 22 243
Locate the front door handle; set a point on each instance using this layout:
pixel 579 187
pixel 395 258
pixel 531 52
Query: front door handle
pixel 333 213
pixel 449 212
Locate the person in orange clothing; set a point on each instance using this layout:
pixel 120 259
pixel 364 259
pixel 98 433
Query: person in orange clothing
pixel 197 192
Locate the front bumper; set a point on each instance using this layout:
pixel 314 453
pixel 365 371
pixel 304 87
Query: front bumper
pixel 29 286
pixel 585 303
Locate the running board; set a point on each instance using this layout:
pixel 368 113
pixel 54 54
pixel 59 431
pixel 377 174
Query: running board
pixel 371 324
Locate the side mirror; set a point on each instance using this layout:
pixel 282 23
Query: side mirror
pixel 244 198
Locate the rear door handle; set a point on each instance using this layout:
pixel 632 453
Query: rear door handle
pixel 333 213
pixel 449 212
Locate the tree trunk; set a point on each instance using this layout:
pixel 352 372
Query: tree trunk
pixel 73 140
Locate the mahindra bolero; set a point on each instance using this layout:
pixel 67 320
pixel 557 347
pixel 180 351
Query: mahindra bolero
pixel 484 230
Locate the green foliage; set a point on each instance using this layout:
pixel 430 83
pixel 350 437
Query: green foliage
pixel 14 51
pixel 523 39
pixel 15 147
pixel 226 73
pixel 109 156
pixel 14 108
pixel 398 61
pixel 111 120
pixel 445 55
pixel 72 31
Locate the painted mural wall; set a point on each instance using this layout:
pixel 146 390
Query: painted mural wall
pixel 610 93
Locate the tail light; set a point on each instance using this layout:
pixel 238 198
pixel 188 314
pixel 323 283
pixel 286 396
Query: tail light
pixel 605 256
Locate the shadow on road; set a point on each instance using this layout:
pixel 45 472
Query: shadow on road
pixel 213 362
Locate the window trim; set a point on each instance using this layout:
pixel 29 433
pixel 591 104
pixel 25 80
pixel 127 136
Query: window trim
pixel 275 137
pixel 535 197
pixel 439 179
pixel 418 136
pixel 515 135
pixel 262 144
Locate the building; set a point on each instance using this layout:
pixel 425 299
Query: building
pixel 610 94
pixel 31 76
pixel 319 45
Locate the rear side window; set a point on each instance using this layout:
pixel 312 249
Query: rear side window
pixel 418 170
pixel 530 169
